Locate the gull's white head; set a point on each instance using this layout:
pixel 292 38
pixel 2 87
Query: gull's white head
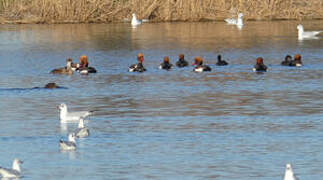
pixel 15 164
pixel 288 166
pixel 71 137
pixel 300 27
pixel 240 15
pixel 81 123
pixel 134 15
pixel 62 107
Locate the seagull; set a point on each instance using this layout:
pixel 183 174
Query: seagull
pixel 12 173
pixel 237 21
pixel 306 34
pixel 134 20
pixel 68 145
pixel 82 131
pixel 289 174
pixel 66 116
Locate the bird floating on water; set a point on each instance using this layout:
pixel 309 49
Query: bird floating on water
pixel 12 173
pixel 66 116
pixel 289 174
pixel 238 21
pixel 135 22
pixel 70 144
pixel 82 131
pixel 306 34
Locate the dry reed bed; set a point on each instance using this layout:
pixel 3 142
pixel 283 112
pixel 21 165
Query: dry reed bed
pixel 85 11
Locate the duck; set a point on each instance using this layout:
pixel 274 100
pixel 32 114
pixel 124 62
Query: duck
pixel 306 34
pixel 166 64
pixel 260 66
pixel 181 61
pixel 297 61
pixel 287 61
pixel 198 61
pixel 66 116
pixel 289 174
pixel 83 67
pixel 82 131
pixel 221 62
pixel 238 21
pixel 64 70
pixel 15 172
pixel 139 67
pixel 68 145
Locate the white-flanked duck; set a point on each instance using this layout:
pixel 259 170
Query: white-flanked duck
pixel 64 70
pixel 15 172
pixel 221 62
pixel 297 61
pixel 287 61
pixel 139 67
pixel 68 145
pixel 181 61
pixel 66 116
pixel 306 34
pixel 166 64
pixel 82 131
pixel 289 174
pixel 198 61
pixel 83 67
pixel 260 66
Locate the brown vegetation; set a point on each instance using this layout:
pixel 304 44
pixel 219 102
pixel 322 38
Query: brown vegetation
pixel 86 11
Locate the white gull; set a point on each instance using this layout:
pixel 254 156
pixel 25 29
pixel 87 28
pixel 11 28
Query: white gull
pixel 66 116
pixel 289 174
pixel 68 145
pixel 306 34
pixel 12 173
pixel 82 131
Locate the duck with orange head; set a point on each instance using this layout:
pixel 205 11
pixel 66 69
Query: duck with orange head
pixel 199 66
pixel 260 66
pixel 139 67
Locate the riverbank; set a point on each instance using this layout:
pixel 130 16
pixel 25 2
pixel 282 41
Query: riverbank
pixel 100 11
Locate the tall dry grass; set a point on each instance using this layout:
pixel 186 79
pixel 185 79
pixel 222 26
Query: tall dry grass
pixel 79 11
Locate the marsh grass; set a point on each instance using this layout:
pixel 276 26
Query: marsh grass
pixel 83 11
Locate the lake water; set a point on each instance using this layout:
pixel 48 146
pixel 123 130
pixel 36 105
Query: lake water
pixel 230 123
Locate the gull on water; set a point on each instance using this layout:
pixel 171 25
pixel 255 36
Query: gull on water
pixel 68 145
pixel 306 34
pixel 12 173
pixel 238 21
pixel 289 174
pixel 82 131
pixel 66 116
pixel 135 21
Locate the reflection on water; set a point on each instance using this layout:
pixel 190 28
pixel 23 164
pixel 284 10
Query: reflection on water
pixel 230 123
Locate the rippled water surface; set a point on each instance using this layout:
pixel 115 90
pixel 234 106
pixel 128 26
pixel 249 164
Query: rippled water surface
pixel 230 123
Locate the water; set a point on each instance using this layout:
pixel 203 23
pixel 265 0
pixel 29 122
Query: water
pixel 230 123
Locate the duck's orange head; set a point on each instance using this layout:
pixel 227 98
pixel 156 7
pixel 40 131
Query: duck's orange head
pixel 166 59
pixel 298 57
pixel 181 56
pixel 140 57
pixel 260 60
pixel 198 61
pixel 84 62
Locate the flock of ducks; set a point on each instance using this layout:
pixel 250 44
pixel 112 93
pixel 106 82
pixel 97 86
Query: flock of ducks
pixel 200 67
pixel 84 68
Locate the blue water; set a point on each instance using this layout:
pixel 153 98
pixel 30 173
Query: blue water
pixel 230 123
